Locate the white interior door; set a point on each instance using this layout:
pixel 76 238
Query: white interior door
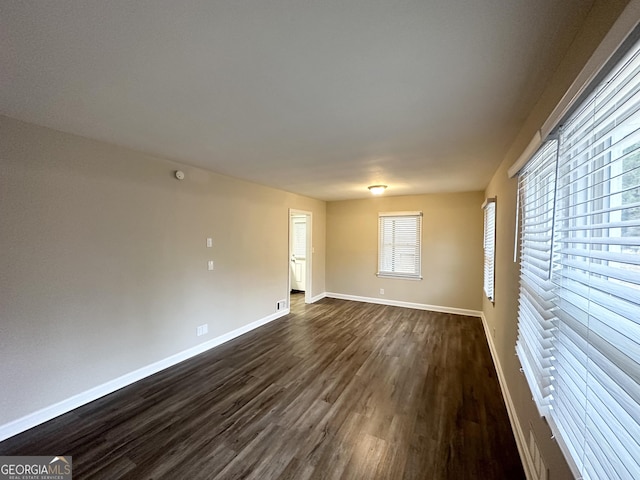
pixel 298 254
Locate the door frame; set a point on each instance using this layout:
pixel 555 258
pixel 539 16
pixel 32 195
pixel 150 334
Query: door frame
pixel 309 254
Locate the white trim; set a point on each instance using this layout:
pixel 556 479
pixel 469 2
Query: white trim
pixel 308 270
pixel 620 30
pixel 521 441
pixel 623 26
pixel 524 157
pixel 400 214
pixel 488 201
pixel 398 303
pixel 47 413
pixel 318 297
pixel 397 276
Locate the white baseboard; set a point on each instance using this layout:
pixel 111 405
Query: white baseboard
pixel 45 414
pixel 398 303
pixel 521 440
pixel 318 297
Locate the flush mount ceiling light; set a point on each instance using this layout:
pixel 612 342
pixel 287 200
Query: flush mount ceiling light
pixel 377 189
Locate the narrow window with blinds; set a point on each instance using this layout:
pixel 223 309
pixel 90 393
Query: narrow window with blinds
pixel 536 188
pixel 399 244
pixel 489 208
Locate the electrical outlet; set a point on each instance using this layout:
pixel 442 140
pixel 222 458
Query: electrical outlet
pixel 209 242
pixel 281 305
pixel 382 291
pixel 210 265
pixel 202 330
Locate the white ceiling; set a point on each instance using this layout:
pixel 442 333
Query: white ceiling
pixel 317 97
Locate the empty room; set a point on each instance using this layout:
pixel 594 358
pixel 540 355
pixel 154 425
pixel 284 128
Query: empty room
pixel 356 239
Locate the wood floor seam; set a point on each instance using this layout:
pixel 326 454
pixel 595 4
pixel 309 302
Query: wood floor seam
pixel 335 390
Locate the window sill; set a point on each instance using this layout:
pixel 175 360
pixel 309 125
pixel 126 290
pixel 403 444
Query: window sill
pixel 398 277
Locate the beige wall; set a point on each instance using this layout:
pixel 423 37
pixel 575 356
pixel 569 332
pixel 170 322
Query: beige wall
pixel 102 257
pixel 451 251
pixel 103 261
pixel 502 318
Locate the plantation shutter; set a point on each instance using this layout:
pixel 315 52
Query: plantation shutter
pixel 596 406
pixel 399 244
pixel 536 188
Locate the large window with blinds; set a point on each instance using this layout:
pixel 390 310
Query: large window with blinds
pixel 579 314
pixel 399 244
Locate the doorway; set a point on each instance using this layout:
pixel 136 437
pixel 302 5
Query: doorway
pixel 300 254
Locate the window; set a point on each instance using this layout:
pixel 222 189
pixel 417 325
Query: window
pixel 300 238
pixel 597 273
pixel 399 235
pixel 536 190
pixel 489 208
pixel 579 317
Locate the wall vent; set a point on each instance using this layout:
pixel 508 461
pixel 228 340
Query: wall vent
pixel 540 471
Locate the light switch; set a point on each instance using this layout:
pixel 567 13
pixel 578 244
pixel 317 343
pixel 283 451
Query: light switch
pixel 210 265
pixel 209 242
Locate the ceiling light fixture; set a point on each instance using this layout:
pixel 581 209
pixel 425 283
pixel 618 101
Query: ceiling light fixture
pixel 377 189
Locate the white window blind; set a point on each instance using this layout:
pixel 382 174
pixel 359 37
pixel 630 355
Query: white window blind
pixel 399 244
pixel 536 188
pixel 579 314
pixel 596 406
pixel 489 246
pixel 300 239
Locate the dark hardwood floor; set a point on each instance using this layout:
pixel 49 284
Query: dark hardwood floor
pixel 336 389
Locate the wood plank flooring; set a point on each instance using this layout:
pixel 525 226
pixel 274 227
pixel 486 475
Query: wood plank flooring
pixel 336 389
